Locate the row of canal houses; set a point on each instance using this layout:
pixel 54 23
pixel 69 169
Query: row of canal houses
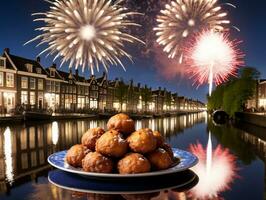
pixel 26 83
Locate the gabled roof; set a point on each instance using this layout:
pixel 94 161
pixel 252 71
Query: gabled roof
pixel 92 79
pixel 57 74
pixel 101 79
pixel 20 63
pixel 67 76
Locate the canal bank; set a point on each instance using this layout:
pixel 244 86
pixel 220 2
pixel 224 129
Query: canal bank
pixel 258 119
pixel 10 119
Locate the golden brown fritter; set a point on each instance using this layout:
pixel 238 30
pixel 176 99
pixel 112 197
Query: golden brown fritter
pixel 75 155
pixel 112 144
pixel 169 150
pixel 91 136
pixel 121 123
pixel 142 141
pixel 133 163
pixel 159 138
pixel 160 159
pixel 96 162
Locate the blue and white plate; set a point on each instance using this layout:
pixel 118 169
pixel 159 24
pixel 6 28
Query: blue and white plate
pixel 186 161
pixel 181 181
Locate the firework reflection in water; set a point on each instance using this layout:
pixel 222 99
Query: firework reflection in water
pixel 216 170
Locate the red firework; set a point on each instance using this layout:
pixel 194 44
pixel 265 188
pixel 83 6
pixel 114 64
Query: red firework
pixel 213 57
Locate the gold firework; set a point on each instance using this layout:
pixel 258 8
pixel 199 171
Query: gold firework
pixel 181 18
pixel 86 32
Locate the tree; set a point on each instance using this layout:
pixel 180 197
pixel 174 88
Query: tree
pixel 233 95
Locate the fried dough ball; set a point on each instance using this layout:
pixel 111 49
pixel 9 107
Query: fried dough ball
pixel 112 144
pixel 96 162
pixel 142 141
pixel 159 138
pixel 121 123
pixel 75 155
pixel 91 136
pixel 168 149
pixel 160 159
pixel 133 163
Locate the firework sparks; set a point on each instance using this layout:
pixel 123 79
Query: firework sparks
pixel 213 58
pixel 86 33
pixel 182 18
pixel 216 170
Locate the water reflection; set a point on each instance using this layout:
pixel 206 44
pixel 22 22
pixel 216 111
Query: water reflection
pixel 55 133
pixel 27 148
pixel 8 156
pixel 170 126
pixel 216 170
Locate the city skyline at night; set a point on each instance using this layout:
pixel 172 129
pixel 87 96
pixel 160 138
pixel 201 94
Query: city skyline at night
pixel 19 28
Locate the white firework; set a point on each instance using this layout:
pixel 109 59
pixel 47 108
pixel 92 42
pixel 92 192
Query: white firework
pixel 86 32
pixel 181 18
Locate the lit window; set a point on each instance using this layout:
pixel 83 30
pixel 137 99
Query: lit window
pixel 93 103
pixel 32 98
pixel 40 84
pixel 2 62
pixel 24 82
pixel 48 86
pixel 1 79
pixel 9 80
pixel 29 67
pixel 24 97
pixel 32 83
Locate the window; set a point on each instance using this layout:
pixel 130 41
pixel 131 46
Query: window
pixel 24 97
pixel 74 89
pixel 40 84
pixel 1 99
pixel 52 72
pixel 57 87
pixel 48 86
pixel 24 82
pixel 2 62
pixel 32 83
pixel 1 79
pixel 63 89
pixel 9 80
pixel 39 70
pixel 32 98
pixel 29 67
pixel 93 103
pixel 53 86
pixel 86 90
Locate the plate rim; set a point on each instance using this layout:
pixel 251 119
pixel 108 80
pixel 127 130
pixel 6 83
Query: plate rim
pixel 120 192
pixel 112 175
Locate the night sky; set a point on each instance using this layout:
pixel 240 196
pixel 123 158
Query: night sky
pixel 250 16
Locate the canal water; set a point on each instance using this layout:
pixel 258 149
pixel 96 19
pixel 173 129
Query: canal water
pixel 231 158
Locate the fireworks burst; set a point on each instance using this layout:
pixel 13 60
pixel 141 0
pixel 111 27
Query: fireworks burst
pixel 213 57
pixel 182 18
pixel 86 32
pixel 216 170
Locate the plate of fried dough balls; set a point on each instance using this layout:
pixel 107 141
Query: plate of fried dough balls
pixel 121 152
